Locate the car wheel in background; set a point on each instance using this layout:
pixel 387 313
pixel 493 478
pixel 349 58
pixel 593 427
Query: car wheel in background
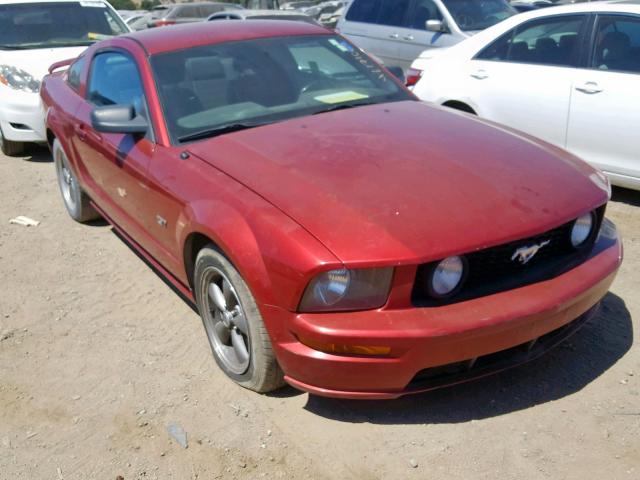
pixel 9 148
pixel 234 326
pixel 75 200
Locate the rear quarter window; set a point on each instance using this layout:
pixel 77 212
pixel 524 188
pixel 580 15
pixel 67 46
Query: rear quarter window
pixel 74 74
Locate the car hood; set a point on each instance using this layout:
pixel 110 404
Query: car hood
pixel 406 182
pixel 37 62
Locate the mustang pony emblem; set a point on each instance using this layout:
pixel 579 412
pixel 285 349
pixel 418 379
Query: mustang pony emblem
pixel 524 254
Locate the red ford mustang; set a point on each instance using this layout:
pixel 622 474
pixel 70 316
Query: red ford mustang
pixel 334 232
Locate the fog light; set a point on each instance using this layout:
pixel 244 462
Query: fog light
pixel 447 277
pixel 582 229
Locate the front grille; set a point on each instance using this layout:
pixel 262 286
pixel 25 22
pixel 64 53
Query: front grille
pixel 492 269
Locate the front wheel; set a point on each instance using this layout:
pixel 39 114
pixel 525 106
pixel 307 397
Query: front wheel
pixel 75 200
pixel 10 148
pixel 238 337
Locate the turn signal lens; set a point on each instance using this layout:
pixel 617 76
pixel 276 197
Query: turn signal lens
pixel 340 349
pixel 413 76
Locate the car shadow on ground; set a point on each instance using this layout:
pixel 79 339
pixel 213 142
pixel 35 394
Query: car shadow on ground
pixel 625 195
pixel 564 370
pixel 37 154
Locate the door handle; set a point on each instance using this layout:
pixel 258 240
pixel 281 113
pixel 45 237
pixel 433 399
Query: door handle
pixel 480 74
pixel 589 87
pixel 408 37
pixel 394 36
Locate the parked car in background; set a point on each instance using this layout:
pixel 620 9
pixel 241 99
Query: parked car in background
pixel 334 232
pixel 177 13
pixel 526 6
pixel 131 19
pixel 324 12
pixel 397 31
pixel 298 5
pixel 33 35
pixel 568 75
pixel 263 15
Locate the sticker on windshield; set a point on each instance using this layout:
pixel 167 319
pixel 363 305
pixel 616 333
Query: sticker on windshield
pixel 341 45
pixel 92 3
pixel 340 97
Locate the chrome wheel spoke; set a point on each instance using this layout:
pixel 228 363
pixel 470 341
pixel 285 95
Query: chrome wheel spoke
pixel 217 297
pixel 229 296
pixel 240 321
pixel 223 333
pixel 239 346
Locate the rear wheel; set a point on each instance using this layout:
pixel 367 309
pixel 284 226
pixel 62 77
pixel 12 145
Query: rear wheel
pixel 75 200
pixel 238 337
pixel 10 148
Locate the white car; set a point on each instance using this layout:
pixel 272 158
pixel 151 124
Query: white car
pixel 569 75
pixel 33 35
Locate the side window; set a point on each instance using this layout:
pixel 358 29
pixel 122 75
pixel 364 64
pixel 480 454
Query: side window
pixel 114 80
pixel 74 72
pixel 393 12
pixel 547 41
pixel 617 44
pixel 423 10
pixel 187 11
pixel 366 11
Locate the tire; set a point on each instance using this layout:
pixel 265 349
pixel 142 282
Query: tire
pixel 10 148
pixel 259 372
pixel 75 200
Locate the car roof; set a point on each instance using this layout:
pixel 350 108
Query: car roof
pixel 631 6
pixel 180 37
pixel 257 13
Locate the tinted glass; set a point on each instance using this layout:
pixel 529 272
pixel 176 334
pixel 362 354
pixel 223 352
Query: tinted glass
pixel 114 80
pixel 366 11
pixel 550 41
pixel 187 11
pixel 74 73
pixel 393 12
pixel 478 14
pixel 263 81
pixel 423 10
pixel 59 24
pixel 617 44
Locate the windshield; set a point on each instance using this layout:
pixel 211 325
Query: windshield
pixel 478 15
pixel 56 24
pixel 215 89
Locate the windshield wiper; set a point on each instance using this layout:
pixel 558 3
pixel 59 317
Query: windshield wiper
pixel 214 132
pixel 343 106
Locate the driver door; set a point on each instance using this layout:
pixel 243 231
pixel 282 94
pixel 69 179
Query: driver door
pixel 117 163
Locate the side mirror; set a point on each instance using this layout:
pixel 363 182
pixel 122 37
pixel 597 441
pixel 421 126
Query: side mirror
pixel 436 26
pixel 398 72
pixel 118 119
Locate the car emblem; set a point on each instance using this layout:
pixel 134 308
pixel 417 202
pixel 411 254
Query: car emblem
pixel 525 254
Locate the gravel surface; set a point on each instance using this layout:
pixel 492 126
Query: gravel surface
pixel 103 366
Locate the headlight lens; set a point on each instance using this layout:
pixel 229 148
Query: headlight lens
pixel 582 229
pixel 18 79
pixel 447 277
pixel 343 289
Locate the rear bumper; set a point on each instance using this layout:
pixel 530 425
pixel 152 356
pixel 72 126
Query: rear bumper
pixel 21 116
pixel 437 346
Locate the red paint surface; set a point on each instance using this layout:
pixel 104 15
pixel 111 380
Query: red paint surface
pixel 395 184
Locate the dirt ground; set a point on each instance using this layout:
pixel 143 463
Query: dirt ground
pixel 98 356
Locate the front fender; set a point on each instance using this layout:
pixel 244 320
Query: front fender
pixel 275 256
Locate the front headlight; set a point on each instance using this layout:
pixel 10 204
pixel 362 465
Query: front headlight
pixel 18 79
pixel 343 289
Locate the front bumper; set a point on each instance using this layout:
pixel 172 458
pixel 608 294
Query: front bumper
pixel 436 346
pixel 21 116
